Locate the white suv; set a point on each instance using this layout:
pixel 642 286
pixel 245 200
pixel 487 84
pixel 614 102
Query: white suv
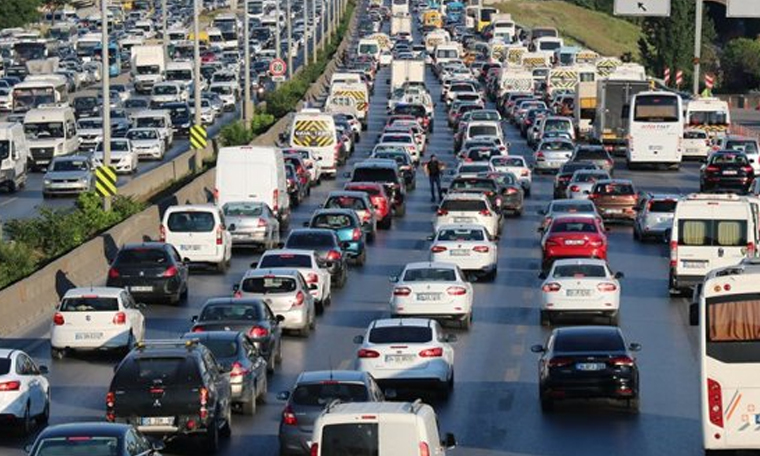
pixel 469 208
pixel 199 234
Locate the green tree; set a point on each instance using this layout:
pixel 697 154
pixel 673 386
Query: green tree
pixel 740 65
pixel 17 13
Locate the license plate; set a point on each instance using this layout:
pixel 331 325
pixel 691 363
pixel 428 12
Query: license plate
pixel 460 252
pixel 693 264
pixel 462 219
pixel 574 242
pixel 655 148
pixel 590 366
pixel 691 151
pixel 428 296
pixel 141 288
pixel 614 211
pixel 730 172
pixel 578 293
pixel 187 247
pixel 399 359
pixel 88 336
pixel 157 421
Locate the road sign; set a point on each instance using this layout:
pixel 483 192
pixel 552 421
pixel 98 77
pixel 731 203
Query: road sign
pixel 198 137
pixel 277 68
pixel 642 7
pixel 679 78
pixel 666 76
pixel 278 78
pixel 709 81
pixel 105 181
pixel 742 8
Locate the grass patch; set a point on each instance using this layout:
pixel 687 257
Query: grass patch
pixel 598 31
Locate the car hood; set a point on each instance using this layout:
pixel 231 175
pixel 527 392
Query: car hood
pixel 65 175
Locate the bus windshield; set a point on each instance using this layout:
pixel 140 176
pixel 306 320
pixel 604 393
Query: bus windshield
pixel 656 108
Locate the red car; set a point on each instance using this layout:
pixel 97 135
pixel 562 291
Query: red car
pixel 574 236
pixel 379 199
pixel 304 177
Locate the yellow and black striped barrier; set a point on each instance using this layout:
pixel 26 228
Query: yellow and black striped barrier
pixel 105 181
pixel 198 137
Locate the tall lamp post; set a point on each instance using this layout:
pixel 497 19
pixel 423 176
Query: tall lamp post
pixel 106 80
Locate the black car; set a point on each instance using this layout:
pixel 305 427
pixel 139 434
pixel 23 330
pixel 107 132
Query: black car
pixel 150 270
pixel 726 170
pixel 251 316
pixel 93 438
pixel 565 174
pixel 326 246
pixel 87 106
pixel 236 353
pixel 587 362
pixel 181 116
pixel 597 155
pixel 511 192
pixel 386 174
pixel 405 165
pixel 171 389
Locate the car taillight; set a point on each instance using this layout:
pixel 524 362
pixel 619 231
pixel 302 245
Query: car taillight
pixel 606 287
pixel 276 201
pixel 238 370
pixel 120 318
pixel 203 400
pixel 437 249
pixel 715 402
pixel 575 188
pixel 402 291
pixel 485 212
pixel 13 385
pixel 424 449
pixel 258 332
pixel 198 329
pixel 481 248
pixel 596 242
pixel 237 294
pixel 333 255
pixel 539 155
pixel 436 352
pixel 110 400
pixel 712 169
pixel 171 271
pixel 512 191
pixel 747 169
pixel 219 230
pixel 551 287
pixel 442 212
pixel 58 319
pixel 288 417
pixel 356 234
pixel 113 273
pixel 673 253
pixel 560 362
pixel 162 233
pixel 525 172
pixel 456 291
pixel 312 277
pixel 750 249
pixel 261 223
pixel 299 299
pixel 364 353
pixel 622 361
pixel 314 449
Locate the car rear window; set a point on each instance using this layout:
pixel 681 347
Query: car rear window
pixel 430 275
pixel 413 110
pixel 663 206
pixel 345 202
pixel 591 154
pixel 321 394
pixel 473 184
pixel 191 222
pixel 332 222
pixel 556 146
pixel 142 257
pixel 579 271
pixel 588 177
pixel 89 304
pixel 749 147
pixel 310 240
pixel 591 341
pixel 573 227
pixel 5 366
pixel 269 285
pixel 78 446
pixel 720 233
pixel 571 207
pixel 230 312
pixel 483 130
pixel 350 439
pixel 474 168
pixel 243 210
pixel 614 189
pixel 223 349
pixel 374 175
pixel 400 334
pixel 166 370
pixel 694 135
pixel 464 205
pixel 280 260
pixel 461 235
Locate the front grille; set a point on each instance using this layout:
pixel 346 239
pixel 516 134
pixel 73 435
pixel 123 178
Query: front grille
pixel 42 153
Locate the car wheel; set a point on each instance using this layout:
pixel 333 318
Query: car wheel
pixel 547 404
pixel 467 322
pixel 278 354
pixel 527 191
pixel 183 295
pixel 263 390
pixel 636 235
pixel 326 303
pixel 249 407
pixel 319 307
pixel 673 290
pixel 25 425
pixel 386 222
pixel 222 266
pixel 546 318
pixel 44 417
pixel 212 438
pixel 400 211
pixel 57 353
pixel 614 319
pixel 361 259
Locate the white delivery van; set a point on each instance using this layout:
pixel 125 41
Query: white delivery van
pixel 359 93
pixel 51 131
pixel 180 73
pixel 314 130
pixel 199 234
pixel 446 53
pixel 710 231
pixel 147 66
pixel 368 47
pixel 252 173
pixel 13 156
pixel 345 78
pixel 159 119
pixel 379 429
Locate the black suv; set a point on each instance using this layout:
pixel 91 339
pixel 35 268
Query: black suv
pixel 385 172
pixel 170 389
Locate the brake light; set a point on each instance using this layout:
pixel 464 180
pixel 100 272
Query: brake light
pixel 364 353
pixel 238 370
pixel 258 332
pixel 436 352
pixel 481 248
pixel 171 271
pixel 198 329
pixel 575 188
pixel 485 212
pixel 276 201
pixel 525 172
pixel 314 449
pixel 113 273
pixel 219 230
pixel 289 418
pixel 456 291
pixel 299 299
pixel 120 318
pixel 356 234
pixel 539 155
pixel 596 242
pixel 203 399
pixel 606 287
pixel 402 291
pixel 424 449
pixel 312 277
pixel 715 402
pixel 10 386
pixel 442 212
pixel 333 255
pixel 712 169
pixel 261 223
pixel 747 169
pixel 673 253
pixel 750 249
pixel 551 287
pixel 511 191
pixel 622 361
pixel 238 294
pixel 560 362
pixel 438 249
pixel 162 233
pixel 58 319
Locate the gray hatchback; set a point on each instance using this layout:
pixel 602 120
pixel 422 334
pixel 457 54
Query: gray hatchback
pixel 312 392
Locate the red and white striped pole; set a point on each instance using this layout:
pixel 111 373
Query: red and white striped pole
pixel 666 76
pixel 709 81
pixel 679 78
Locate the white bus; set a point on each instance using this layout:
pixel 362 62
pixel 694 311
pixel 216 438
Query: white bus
pixel 655 129
pixel 726 311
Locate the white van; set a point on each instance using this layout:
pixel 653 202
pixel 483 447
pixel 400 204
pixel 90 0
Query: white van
pixel 345 78
pixel 180 73
pixel 199 234
pixel 710 231
pixel 252 173
pixel 158 119
pixel 13 156
pixel 51 131
pixel 380 429
pixel 314 130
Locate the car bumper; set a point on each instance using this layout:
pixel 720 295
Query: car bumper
pixel 552 254
pixel 294 319
pixel 65 188
pixel 294 440
pixel 149 153
pixel 435 372
pixel 89 338
pixel 617 213
pixel 12 405
pixel 254 236
pixel 622 387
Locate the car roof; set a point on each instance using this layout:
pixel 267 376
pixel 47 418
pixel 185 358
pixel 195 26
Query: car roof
pixel 461 226
pixel 144 245
pixel 588 329
pixel 231 300
pixel 97 429
pixel 344 193
pixel 465 196
pixel 332 375
pixel 208 335
pixel 336 211
pixel 430 264
pixel 272 252
pixel 112 292
pixel 277 272
pixel 583 217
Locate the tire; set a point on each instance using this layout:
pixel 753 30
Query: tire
pixel 527 192
pixel 222 266
pixel 467 322
pixel 183 295
pixel 547 405
pixel 249 407
pixel 57 353
pixel 25 424
pixel 385 223
pixel 305 331
pixel 546 319
pixel 262 391
pixel 673 290
pixel 278 354
pixel 226 430
pixel 361 259
pixel 211 439
pixel 636 235
pixel 614 319
pixel 319 307
pixel 44 417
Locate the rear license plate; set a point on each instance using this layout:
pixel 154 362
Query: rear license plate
pixel 730 172
pixel 574 242
pixel 578 293
pixel 590 366
pixel 690 150
pixel 462 219
pixel 141 289
pixel 88 336
pixel 399 359
pixel 614 211
pixel 428 296
pixel 187 247
pixel 693 264
pixel 460 252
pixel 157 421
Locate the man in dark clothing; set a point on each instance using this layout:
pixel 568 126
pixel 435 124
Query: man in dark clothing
pixel 433 169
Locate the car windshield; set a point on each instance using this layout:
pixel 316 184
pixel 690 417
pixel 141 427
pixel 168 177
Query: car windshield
pixel 561 226
pixel 310 240
pixel 461 234
pixel 354 439
pixel 473 168
pixel 213 312
pixel 321 394
pixel 430 275
pixel 332 222
pixel 579 271
pixel 64 165
pixel 400 334
pixel 243 209
pixel 5 366
pixel 345 202
pixel 79 446
pixel 414 110
pixel 142 135
pixel 191 222
pixel 89 304
pixel 40 130
pixel 223 349
pixel 749 147
pixel 591 341
pixel 269 284
pixel 90 124
pixel 282 260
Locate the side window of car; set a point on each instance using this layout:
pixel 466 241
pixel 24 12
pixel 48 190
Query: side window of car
pixel 22 365
pixel 175 255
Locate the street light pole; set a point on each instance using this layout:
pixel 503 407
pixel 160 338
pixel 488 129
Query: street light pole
pixel 247 108
pixel 322 25
pixel 106 80
pixel 314 31
pixel 697 45
pixel 277 46
pixel 289 31
pixel 305 33
pixel 165 26
pixel 197 72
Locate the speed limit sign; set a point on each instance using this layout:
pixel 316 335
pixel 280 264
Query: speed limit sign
pixel 277 68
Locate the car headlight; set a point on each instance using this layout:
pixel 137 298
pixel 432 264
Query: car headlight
pixel 47 181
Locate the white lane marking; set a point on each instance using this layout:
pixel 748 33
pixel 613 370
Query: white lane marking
pixel 8 201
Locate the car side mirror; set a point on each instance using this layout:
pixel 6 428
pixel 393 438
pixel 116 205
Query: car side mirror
pixel 280 318
pixel 619 275
pixel 694 314
pixel 306 224
pixel 393 279
pixel 194 318
pixel 28 448
pixel 313 286
pixel 541 212
pixel 543 275
pixel 43 370
pixel 586 192
pixel 358 339
pixel 283 395
pixel 254 265
pixel 347 174
pixel 450 442
pixel 634 347
pixel 537 349
pixel 345 245
pixel 431 237
pixel 232 227
pixel 236 288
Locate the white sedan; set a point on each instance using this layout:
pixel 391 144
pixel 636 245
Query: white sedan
pixel 123 157
pixel 434 290
pixel 468 246
pixel 516 165
pixel 24 390
pixel 580 287
pixel 96 319
pixel 147 143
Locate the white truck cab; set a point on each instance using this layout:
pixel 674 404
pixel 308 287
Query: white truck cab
pixel 51 131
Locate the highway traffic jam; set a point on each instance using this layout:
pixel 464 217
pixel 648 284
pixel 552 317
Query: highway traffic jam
pixel 483 241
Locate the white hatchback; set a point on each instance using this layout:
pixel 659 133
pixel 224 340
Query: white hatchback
pixel 199 234
pixel 407 352
pixel 580 287
pixel 433 289
pixel 583 182
pixel 96 319
pixel 468 246
pixel 24 390
pixel 304 261
pixel 468 208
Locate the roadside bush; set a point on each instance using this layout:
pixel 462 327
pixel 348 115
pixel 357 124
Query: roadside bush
pixel 16 260
pixel 235 134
